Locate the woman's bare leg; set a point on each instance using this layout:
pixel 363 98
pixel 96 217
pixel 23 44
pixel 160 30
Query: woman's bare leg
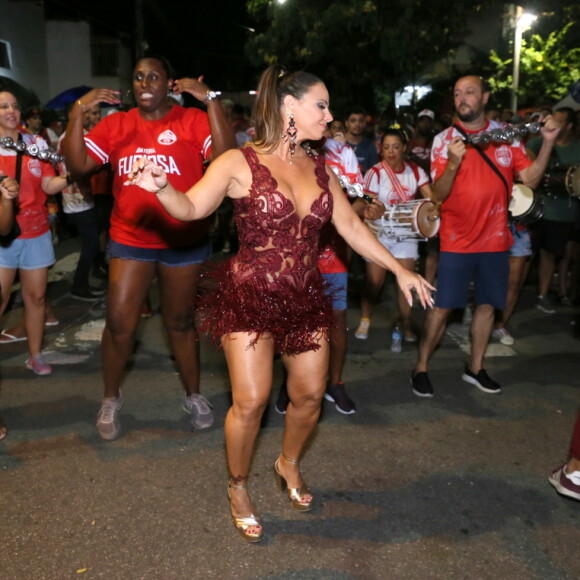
pixel 250 371
pixel 7 276
pixel 33 284
pixel 129 283
pixel 404 307
pixel 375 278
pixel 307 375
pixel 178 286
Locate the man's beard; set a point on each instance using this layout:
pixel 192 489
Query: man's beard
pixel 468 117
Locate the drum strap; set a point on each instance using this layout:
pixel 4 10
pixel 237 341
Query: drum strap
pixel 488 161
pixel 394 181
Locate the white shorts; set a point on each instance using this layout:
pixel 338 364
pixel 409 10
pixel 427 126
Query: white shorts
pixel 403 249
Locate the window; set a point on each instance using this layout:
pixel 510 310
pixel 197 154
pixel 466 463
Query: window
pixel 4 54
pixel 105 57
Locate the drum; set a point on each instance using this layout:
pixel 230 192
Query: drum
pixel 417 219
pixel 560 181
pixel 525 205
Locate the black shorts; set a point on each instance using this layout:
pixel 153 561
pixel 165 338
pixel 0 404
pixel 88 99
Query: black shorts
pixel 552 236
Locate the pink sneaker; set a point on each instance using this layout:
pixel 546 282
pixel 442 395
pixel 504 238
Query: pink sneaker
pixel 38 365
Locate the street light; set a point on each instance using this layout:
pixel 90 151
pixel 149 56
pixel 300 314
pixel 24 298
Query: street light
pixel 523 21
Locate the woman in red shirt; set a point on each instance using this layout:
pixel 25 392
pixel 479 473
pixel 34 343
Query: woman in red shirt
pixel 31 253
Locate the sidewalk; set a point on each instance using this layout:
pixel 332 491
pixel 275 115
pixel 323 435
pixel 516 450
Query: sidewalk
pixel 449 488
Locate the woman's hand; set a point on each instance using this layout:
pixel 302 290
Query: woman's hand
pixel 374 210
pixel 97 96
pixel 148 176
pixel 9 187
pixel 195 87
pixel 409 281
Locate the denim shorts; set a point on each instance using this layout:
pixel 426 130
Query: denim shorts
pixel 522 246
pixel 405 249
pixel 183 256
pixel 336 289
pixel 488 270
pixel 28 254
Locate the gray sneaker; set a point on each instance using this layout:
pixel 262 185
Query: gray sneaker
pixel 200 410
pixel 108 424
pixel 544 304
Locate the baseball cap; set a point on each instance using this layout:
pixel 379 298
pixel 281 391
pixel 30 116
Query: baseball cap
pixel 426 113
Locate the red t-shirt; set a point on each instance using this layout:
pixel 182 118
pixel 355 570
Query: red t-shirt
pixel 474 215
pixel 179 143
pixel 32 216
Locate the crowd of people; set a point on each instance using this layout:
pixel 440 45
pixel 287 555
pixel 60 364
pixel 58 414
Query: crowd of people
pixel 306 194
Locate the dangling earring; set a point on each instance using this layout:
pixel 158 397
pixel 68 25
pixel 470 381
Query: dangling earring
pixel 290 136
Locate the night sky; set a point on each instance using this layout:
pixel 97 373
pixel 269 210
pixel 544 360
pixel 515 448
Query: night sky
pixel 200 37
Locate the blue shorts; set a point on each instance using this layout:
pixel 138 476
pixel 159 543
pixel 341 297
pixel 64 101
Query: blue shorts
pixel 488 270
pixel 522 246
pixel 336 289
pixel 183 256
pixel 30 254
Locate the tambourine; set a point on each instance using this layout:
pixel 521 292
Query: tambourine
pixel 352 189
pixel 505 134
pixel 33 150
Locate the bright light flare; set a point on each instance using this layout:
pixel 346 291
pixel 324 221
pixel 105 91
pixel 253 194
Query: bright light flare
pixel 526 20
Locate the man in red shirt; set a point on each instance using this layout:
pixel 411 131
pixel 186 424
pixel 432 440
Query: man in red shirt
pixel 474 233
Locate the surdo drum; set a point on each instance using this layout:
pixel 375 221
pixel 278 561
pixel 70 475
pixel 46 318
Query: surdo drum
pixel 417 219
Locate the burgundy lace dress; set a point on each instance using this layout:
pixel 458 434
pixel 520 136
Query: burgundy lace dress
pixel 272 286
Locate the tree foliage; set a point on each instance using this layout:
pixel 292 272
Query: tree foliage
pixel 359 47
pixel 548 67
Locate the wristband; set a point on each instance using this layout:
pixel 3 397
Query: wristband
pixel 84 108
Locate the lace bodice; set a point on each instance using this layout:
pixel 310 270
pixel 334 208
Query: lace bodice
pixel 272 286
pixel 274 240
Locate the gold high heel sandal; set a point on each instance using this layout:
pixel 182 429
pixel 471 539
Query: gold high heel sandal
pixel 243 524
pixel 295 495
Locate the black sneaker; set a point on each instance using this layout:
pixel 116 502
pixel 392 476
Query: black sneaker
pixel 422 386
pixel 86 294
pixel 482 381
pixel 283 400
pixel 337 394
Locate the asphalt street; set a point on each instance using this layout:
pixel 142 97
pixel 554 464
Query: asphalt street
pixel 454 487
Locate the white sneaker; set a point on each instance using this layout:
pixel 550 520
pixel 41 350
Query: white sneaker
pixel 362 332
pixel 200 410
pixel 503 336
pixel 108 424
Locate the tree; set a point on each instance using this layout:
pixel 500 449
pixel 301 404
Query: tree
pixel 548 68
pixel 361 48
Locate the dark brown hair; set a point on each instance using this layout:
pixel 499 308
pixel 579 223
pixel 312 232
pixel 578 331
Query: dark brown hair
pixel 275 84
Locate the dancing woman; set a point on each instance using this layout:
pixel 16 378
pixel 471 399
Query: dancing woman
pixel 145 241
pixel 270 297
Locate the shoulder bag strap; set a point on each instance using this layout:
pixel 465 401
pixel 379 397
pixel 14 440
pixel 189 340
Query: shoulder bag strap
pixel 487 160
